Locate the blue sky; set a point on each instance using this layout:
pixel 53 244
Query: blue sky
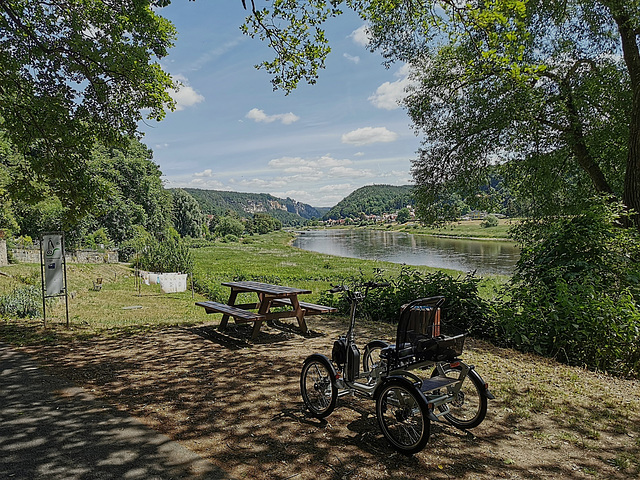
pixel 231 131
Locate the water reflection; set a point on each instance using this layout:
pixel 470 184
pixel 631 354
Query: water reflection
pixel 486 257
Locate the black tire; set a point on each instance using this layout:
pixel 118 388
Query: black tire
pixel 318 385
pixel 371 354
pixel 403 415
pixel 470 407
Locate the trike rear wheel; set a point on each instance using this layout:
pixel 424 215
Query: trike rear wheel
pixel 469 407
pixel 403 415
pixel 318 385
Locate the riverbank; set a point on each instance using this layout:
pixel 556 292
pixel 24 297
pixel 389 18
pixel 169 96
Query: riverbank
pixel 464 229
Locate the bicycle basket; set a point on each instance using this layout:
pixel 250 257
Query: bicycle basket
pixel 420 333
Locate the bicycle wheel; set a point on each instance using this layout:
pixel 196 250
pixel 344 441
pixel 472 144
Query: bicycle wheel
pixel 469 407
pixel 402 413
pixel 371 355
pixel 318 385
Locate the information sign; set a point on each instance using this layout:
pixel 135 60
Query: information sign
pixel 53 264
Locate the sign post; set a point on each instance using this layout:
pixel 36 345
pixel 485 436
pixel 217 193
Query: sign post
pixel 53 267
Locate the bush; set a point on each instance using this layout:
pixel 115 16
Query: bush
pixel 171 254
pixel 229 226
pixel 575 292
pixel 463 307
pixel 489 221
pixel 22 302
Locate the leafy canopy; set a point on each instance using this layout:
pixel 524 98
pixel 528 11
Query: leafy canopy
pixel 74 73
pixel 551 88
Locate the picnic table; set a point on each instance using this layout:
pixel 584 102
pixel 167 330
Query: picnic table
pixel 269 296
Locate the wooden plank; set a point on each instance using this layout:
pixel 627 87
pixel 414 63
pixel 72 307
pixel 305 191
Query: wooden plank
pixel 235 312
pixel 266 288
pixel 311 308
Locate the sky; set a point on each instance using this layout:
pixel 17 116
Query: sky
pixel 231 131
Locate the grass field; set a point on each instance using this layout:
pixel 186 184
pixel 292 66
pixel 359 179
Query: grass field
pixel 462 228
pixel 120 304
pixel 547 419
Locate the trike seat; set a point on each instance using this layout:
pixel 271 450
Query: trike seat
pixel 418 336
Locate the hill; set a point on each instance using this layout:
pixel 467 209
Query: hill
pixel 288 211
pixel 372 200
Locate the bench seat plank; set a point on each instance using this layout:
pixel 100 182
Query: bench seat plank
pixel 311 308
pixel 235 312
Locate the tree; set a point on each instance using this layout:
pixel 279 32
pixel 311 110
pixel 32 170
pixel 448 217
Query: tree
pixel 228 225
pixel 73 73
pixel 551 87
pixel 262 223
pixel 404 215
pixel 188 219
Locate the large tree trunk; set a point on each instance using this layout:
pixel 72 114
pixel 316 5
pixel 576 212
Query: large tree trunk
pixel 628 36
pixel 631 196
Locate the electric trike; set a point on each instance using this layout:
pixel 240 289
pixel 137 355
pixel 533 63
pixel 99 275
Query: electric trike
pixel 417 380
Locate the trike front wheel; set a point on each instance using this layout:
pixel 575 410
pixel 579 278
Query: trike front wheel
pixel 403 415
pixel 371 356
pixel 318 385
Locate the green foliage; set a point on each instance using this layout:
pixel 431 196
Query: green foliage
pixel 490 221
pixel 98 240
pixel 136 194
pixel 262 223
pixel 218 203
pixel 576 290
pixel 372 200
pixel 404 215
pixel 73 73
pixel 187 216
pixel 229 226
pixel 464 309
pixel 133 195
pixel 168 254
pixel 22 302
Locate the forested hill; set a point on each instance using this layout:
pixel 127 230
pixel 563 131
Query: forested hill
pixel 372 200
pixel 218 202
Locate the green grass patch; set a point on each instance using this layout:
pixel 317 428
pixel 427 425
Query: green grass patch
pixel 121 304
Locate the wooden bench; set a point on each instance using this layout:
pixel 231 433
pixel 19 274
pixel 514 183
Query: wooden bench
pixel 235 312
pixel 240 315
pixel 311 308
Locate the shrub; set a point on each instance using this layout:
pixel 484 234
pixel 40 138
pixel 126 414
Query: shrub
pixel 170 254
pixel 575 292
pixel 22 302
pixel 489 221
pixel 463 307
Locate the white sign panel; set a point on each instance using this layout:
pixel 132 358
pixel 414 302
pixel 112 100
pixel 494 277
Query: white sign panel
pixel 53 268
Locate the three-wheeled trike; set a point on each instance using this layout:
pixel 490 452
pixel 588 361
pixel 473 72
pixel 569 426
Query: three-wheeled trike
pixel 414 381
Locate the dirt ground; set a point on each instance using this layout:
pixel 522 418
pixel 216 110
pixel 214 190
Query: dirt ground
pixel 237 403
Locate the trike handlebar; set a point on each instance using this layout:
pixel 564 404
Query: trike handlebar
pixel 366 285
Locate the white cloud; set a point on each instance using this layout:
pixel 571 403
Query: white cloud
pixel 360 36
pixel 184 95
pixel 259 116
pixel 368 135
pixel 351 58
pixel 389 94
pixel 206 173
pixel 207 184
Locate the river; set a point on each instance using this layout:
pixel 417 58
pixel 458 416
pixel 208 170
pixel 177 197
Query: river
pixel 483 256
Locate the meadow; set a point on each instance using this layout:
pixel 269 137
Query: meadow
pixel 159 357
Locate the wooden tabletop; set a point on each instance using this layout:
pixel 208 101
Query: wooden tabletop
pixel 267 288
